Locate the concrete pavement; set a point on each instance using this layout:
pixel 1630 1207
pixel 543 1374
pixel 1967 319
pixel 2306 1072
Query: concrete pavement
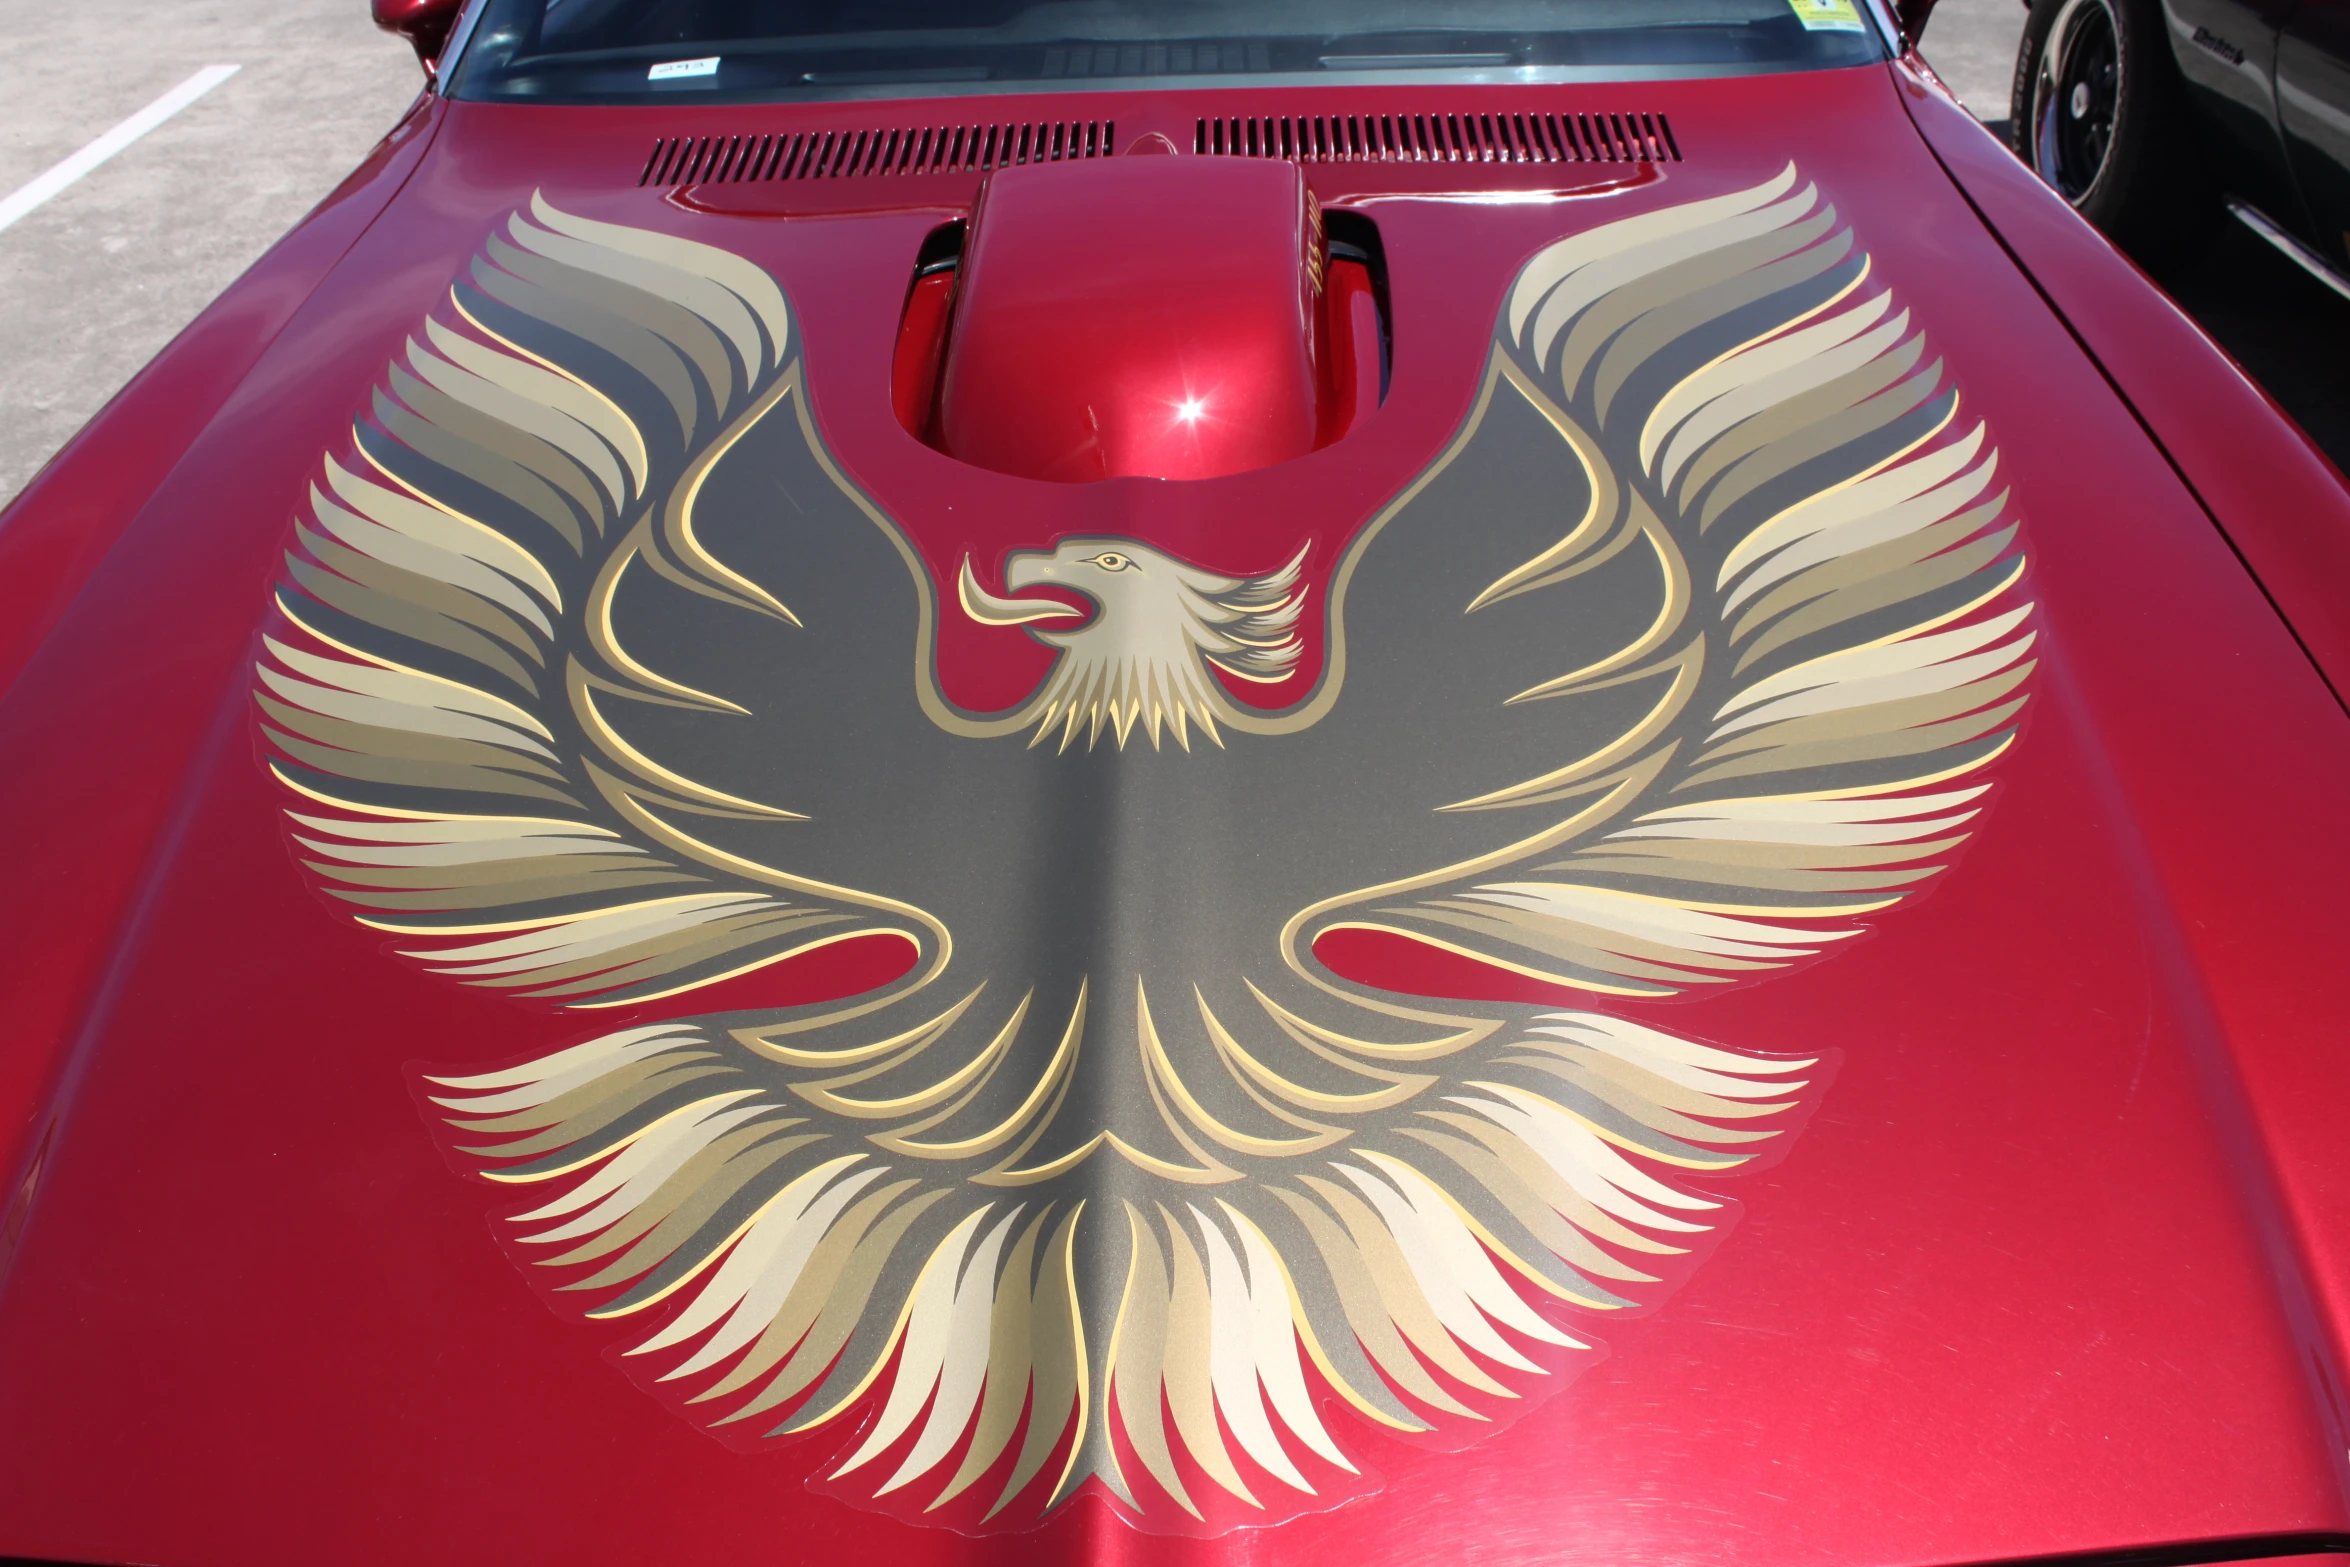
pixel 1971 45
pixel 93 283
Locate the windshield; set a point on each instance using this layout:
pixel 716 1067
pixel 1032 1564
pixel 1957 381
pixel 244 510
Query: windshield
pixel 591 51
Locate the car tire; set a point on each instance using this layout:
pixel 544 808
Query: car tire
pixel 2100 113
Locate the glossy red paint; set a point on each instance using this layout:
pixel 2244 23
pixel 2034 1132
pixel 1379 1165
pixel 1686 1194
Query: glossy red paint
pixel 2284 511
pixel 2280 501
pixel 55 532
pixel 922 340
pixel 1149 317
pixel 424 23
pixel 2026 1286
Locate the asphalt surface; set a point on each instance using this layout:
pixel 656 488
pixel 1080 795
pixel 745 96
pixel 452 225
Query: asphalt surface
pixel 96 281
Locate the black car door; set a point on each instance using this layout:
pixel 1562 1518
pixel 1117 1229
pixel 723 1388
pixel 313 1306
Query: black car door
pixel 2227 50
pixel 2313 107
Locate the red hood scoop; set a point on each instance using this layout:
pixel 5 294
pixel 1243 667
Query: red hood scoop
pixel 1146 316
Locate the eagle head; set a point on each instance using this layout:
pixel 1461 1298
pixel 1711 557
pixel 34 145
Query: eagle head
pixel 1141 659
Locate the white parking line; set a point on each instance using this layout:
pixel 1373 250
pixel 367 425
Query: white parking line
pixel 41 187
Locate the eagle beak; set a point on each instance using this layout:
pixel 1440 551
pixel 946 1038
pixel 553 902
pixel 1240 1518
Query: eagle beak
pixel 990 610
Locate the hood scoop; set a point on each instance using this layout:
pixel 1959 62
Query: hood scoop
pixel 872 152
pixel 1143 317
pixel 1443 138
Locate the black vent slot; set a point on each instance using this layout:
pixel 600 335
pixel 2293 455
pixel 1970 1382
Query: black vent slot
pixel 1207 57
pixel 858 154
pixel 1443 138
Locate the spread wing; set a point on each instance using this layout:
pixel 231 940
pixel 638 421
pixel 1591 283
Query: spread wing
pixel 1747 566
pixel 1675 664
pixel 1682 660
pixel 483 766
pixel 448 694
pixel 483 763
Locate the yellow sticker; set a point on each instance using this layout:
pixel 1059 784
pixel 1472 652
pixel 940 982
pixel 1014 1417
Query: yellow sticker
pixel 1826 16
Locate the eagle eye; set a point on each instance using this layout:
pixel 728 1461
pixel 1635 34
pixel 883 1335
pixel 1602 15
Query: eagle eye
pixel 1111 560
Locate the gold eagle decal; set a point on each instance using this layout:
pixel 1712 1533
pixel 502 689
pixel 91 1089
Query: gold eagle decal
pixel 597 683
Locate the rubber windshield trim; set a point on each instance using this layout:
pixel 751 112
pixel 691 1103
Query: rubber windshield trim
pixel 445 69
pixel 1517 76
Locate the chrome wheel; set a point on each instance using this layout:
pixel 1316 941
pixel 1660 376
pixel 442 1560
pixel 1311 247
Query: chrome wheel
pixel 2100 113
pixel 2076 89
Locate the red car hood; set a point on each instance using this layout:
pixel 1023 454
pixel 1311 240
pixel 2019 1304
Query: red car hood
pixel 2035 1262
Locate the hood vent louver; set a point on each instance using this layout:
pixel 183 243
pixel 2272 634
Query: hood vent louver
pixel 1443 138
pixel 849 154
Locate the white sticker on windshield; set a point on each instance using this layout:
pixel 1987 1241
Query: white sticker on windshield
pixel 1827 16
pixel 677 68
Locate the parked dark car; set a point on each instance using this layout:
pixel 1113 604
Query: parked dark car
pixel 2155 118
